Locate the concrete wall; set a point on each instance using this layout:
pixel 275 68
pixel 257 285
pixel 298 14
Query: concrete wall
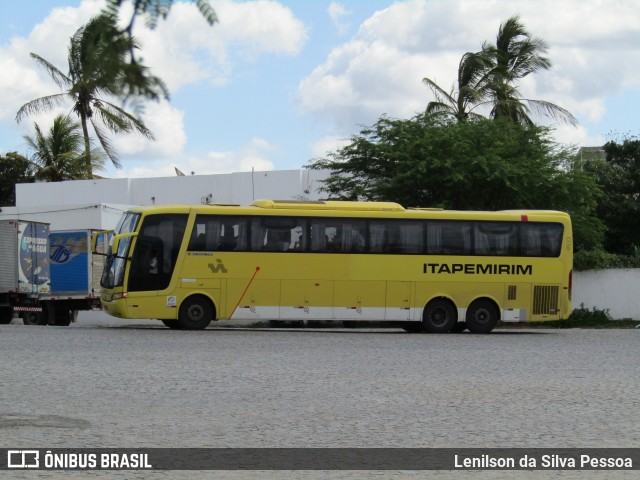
pixel 617 290
pixel 68 217
pixel 240 188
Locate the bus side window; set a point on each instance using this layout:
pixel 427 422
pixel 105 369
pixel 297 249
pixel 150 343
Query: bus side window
pixel 541 239
pixel 277 240
pixel 228 239
pixel 449 238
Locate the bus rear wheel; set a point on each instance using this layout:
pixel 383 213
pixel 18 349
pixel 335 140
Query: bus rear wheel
pixel 196 313
pixel 482 316
pixel 439 316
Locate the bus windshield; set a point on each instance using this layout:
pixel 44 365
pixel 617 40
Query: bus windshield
pixel 113 273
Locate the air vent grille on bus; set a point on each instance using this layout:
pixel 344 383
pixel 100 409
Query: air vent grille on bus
pixel 511 294
pixel 545 300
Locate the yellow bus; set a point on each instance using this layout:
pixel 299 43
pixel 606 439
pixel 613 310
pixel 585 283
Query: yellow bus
pixel 425 270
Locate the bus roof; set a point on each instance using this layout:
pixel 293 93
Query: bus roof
pixel 329 205
pixel 366 209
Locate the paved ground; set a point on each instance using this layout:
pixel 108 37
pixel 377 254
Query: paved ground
pixel 111 383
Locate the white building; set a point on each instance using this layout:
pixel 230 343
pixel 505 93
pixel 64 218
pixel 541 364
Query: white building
pixel 98 203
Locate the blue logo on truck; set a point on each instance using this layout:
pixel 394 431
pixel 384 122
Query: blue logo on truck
pixel 60 254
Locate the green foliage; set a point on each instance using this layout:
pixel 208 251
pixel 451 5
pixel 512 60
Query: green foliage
pixel 489 78
pixel 598 259
pixel 98 70
pixel 59 154
pixel 14 168
pixel 582 316
pixel 156 9
pixel 480 165
pixel 619 207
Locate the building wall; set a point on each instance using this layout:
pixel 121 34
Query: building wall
pixel 99 216
pixel 239 188
pixel 615 290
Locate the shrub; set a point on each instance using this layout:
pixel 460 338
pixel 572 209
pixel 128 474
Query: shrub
pixel 599 259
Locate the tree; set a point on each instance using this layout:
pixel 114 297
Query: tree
pixel 516 54
pixel 488 79
pixel 619 206
pixel 14 168
pixel 98 70
pixel 480 165
pixel 471 89
pixel 155 9
pixel 59 155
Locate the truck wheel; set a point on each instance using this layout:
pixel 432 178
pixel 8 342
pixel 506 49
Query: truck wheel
pixel 196 313
pixel 63 318
pixel 34 318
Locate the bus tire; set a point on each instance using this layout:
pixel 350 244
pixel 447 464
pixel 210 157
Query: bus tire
pixel 482 316
pixel 172 324
pixel 196 313
pixel 34 318
pixel 439 316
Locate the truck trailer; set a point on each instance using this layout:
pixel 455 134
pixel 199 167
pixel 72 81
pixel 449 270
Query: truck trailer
pixel 73 274
pixel 25 275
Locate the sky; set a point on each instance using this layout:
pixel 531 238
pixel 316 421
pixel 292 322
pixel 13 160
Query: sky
pixel 276 84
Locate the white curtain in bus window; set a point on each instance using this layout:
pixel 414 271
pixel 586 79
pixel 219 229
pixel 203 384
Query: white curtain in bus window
pixel 336 235
pixel 411 239
pixel 276 234
pixel 218 233
pixel 541 239
pixel 449 238
pixel 496 238
pixel 320 236
pixel 396 237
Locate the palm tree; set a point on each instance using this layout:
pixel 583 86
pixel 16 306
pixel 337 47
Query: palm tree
pixel 471 91
pixel 98 70
pixel 59 155
pixel 515 55
pixel 488 78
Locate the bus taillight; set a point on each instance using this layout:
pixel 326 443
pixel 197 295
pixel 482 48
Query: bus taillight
pixel 570 283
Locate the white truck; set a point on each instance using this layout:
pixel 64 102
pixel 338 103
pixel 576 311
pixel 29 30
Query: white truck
pixel 46 276
pixel 24 267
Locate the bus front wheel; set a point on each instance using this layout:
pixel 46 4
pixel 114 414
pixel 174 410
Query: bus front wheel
pixel 196 313
pixel 439 316
pixel 482 316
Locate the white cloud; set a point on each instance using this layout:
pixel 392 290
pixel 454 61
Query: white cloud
pixel 337 13
pixel 254 154
pixel 593 48
pixel 245 32
pixel 577 136
pixel 183 50
pixel 167 126
pixel 320 148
